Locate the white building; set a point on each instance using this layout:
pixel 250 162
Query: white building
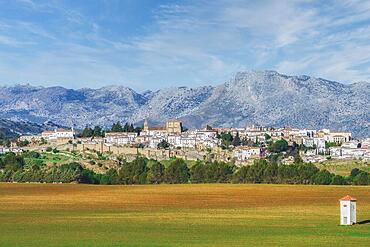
pixel 243 153
pixel 58 133
pixel 366 143
pixel 351 144
pixel 30 138
pixel 320 144
pixel 347 210
pixel 154 141
pixel 120 138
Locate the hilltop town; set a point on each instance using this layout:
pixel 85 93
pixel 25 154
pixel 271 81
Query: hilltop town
pixel 238 145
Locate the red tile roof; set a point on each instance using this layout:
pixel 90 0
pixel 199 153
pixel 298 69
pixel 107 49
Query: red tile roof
pixel 348 198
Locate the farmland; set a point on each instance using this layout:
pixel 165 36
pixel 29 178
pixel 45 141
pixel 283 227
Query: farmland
pixel 178 215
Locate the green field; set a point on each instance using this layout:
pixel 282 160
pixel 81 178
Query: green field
pixel 179 215
pixel 344 167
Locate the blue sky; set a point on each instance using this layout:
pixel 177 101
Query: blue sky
pixel 148 44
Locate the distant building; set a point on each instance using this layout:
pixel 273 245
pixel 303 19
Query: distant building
pixel 30 138
pixel 339 137
pixel 174 126
pixel 244 153
pixel 171 127
pixel 347 210
pixel 58 133
pixel 120 138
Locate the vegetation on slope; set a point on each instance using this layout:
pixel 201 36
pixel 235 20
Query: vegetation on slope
pixel 20 168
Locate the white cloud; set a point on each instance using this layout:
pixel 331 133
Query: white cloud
pixel 194 42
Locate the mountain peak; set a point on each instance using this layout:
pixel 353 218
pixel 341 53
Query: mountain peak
pixel 261 97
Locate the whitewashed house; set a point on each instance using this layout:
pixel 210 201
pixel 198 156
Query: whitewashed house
pixel 154 141
pixel 120 138
pixel 351 144
pixel 243 153
pixel 58 133
pixel 320 144
pixel 347 210
pixel 188 142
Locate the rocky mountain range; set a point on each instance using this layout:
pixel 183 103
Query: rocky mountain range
pixel 11 129
pixel 256 97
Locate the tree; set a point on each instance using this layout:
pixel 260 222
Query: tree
pixel 218 172
pixel 87 132
pixel 134 172
pixel 354 172
pixel 97 131
pixel 297 158
pixel 323 177
pixel 116 127
pixel 226 139
pixel 267 137
pixel 241 176
pixel 256 171
pixel 6 143
pixel 12 162
pixel 270 174
pixel 198 172
pixel 177 172
pixel 278 146
pixel 110 177
pixel 138 130
pixel 23 143
pixel 156 172
pixel 331 144
pixel 163 144
pixel 236 140
pixel 362 178
pixel 338 180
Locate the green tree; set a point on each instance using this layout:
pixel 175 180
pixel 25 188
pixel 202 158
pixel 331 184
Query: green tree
pixel 362 178
pixel 236 140
pixel 338 180
pixel 117 127
pixel 6 143
pixel 177 172
pixel 163 144
pixel 241 176
pixel 297 159
pixel 323 177
pixel 156 172
pixel 110 177
pixel 12 162
pixel 198 172
pixel 278 146
pixel 134 172
pixel 97 131
pixel 219 172
pixel 226 139
pixel 87 132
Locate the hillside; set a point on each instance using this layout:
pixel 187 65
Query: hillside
pixel 256 97
pixel 11 129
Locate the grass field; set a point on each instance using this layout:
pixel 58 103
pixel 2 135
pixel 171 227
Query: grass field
pixel 179 215
pixel 344 167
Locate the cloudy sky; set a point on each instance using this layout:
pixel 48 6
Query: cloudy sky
pixel 147 44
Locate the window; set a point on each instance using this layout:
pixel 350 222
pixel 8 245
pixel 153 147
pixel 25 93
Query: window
pixel 344 219
pixel 344 206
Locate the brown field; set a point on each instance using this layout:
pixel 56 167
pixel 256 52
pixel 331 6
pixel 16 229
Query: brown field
pixel 179 215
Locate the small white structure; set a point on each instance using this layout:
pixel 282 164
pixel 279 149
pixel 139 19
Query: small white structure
pixel 347 210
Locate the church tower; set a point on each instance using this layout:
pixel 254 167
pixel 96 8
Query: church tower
pixel 146 126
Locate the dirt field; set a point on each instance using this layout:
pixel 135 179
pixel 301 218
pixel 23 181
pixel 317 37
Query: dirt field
pixel 179 215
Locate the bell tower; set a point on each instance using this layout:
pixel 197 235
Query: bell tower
pixel 146 126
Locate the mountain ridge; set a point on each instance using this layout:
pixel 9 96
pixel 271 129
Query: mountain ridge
pixel 253 97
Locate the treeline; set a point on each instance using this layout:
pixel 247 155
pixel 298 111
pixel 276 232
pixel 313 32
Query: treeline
pixel 14 168
pixel 98 131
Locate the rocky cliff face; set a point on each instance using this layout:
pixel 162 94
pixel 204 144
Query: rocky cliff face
pixel 257 97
